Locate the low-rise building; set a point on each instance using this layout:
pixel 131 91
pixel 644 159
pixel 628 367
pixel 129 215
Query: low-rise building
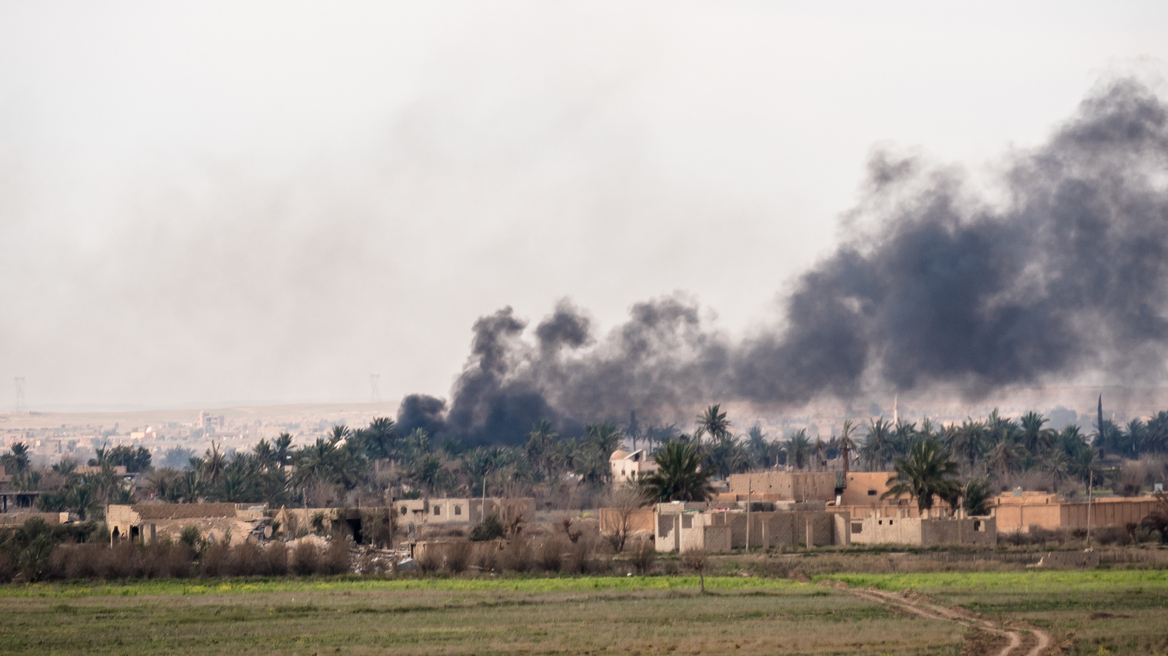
pixel 630 467
pixel 215 521
pixel 680 527
pixel 923 532
pixel 1020 510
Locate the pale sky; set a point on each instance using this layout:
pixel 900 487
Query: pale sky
pixel 233 202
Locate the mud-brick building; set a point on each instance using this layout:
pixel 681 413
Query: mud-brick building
pixel 1017 512
pixel 215 521
pixel 921 532
pixel 680 528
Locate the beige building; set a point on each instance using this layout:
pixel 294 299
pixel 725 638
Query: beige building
pixel 788 486
pixel 1018 512
pixel 461 512
pixel 215 521
pixel 680 527
pixel 920 532
pixel 632 467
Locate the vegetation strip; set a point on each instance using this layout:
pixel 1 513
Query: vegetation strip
pixel 251 586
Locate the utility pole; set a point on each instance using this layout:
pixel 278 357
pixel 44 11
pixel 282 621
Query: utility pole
pixel 1090 489
pixel 748 490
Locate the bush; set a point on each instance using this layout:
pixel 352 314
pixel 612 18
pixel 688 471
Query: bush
pixel 217 560
pixel 488 529
pixel 304 558
pixel 550 556
pixel 580 559
pixel 247 560
pixel 516 557
pixel 337 559
pixel 429 560
pixel 644 555
pixel 486 556
pixel 276 556
pixel 458 556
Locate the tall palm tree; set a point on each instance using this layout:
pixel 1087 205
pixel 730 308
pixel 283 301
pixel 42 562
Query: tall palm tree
pixel 605 436
pixel 926 471
pixel 1007 455
pixel 846 445
pixel 798 448
pixel 712 422
pixel 283 448
pixel 214 462
pixel 967 442
pixel 16 460
pixel 728 456
pixel 878 448
pixel 1037 440
pixel 679 476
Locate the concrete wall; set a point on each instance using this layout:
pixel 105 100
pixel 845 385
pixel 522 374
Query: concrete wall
pixel 460 512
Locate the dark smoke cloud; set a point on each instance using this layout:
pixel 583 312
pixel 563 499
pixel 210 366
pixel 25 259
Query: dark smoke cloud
pixel 1068 275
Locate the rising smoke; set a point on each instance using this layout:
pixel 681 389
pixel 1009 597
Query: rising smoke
pixel 1067 275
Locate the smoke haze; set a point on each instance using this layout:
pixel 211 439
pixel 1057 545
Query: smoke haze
pixel 937 285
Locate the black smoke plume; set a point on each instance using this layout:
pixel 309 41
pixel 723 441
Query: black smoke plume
pixel 1067 274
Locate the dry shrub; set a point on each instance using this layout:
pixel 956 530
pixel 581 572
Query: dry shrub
pixel 123 561
pixel 550 555
pixel 276 555
pixel 644 555
pixel 217 560
pixel 516 557
pixel 304 558
pixel 458 556
pixel 430 560
pixel 486 556
pixel 7 567
pixel 580 558
pixel 337 559
pixel 696 560
pixel 177 564
pixel 247 560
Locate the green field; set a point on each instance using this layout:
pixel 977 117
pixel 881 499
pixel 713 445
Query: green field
pixel 587 615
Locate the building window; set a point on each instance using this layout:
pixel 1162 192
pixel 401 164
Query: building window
pixel 871 493
pixel 403 509
pixel 458 510
pixel 437 510
pixel 857 528
pixel 977 525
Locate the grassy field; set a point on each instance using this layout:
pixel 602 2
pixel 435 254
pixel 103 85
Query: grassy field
pixel 593 615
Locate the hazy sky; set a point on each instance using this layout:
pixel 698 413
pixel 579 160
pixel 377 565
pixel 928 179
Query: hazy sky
pixel 241 202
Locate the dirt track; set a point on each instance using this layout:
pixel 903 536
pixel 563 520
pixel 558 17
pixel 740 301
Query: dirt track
pixel 924 607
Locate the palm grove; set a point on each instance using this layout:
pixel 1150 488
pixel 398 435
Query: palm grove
pixel 957 463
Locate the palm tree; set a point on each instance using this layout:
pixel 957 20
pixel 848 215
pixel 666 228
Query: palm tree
pixel 380 438
pixel 967 443
pixel 976 497
pixel 283 449
pixel 605 436
pixel 845 444
pixel 798 448
pixel 1035 438
pixel 877 449
pixel 214 462
pixel 712 422
pixel 679 476
pixel 538 449
pixel 1007 455
pixel 728 456
pixel 16 460
pixel 1058 465
pixel 925 472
